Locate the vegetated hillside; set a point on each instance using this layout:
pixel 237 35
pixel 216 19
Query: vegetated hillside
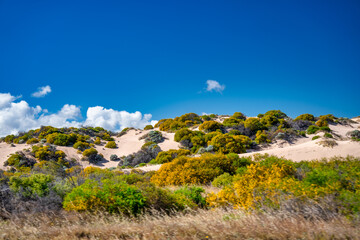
pixel 304 138
pixel 206 169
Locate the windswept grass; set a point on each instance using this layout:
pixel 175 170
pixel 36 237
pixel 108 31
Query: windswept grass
pixel 202 224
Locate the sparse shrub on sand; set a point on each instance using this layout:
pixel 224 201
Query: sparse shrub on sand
pixel 111 144
pixel 114 157
pixel 328 135
pixel 91 155
pixel 32 141
pixel 328 143
pixel 97 141
pixel 81 145
pixel 145 155
pixel 354 135
pixel 19 161
pixel 315 137
pixel 148 127
pixel 312 129
pixel 210 126
pixel 152 136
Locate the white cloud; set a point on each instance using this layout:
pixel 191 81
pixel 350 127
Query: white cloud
pixel 116 120
pixel 212 85
pixel 19 116
pixel 42 91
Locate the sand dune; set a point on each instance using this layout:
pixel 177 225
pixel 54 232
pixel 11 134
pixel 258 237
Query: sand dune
pixel 302 149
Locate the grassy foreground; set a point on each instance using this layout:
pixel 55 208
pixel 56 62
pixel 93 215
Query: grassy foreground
pixel 201 224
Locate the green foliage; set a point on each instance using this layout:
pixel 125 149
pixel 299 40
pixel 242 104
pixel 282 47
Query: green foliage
pixel 148 127
pixel 305 117
pixel 312 129
pixel 32 141
pixel 276 113
pixel 254 124
pixel 113 197
pixel 111 144
pixel 81 145
pixel 315 137
pixel 61 139
pixel 193 170
pixel 183 134
pixel 168 156
pixel 225 143
pixel 19 161
pixel 31 186
pixel 97 141
pixel 192 193
pixel 90 152
pixel 223 180
pixel 9 139
pixel 234 132
pixel 239 115
pixel 210 126
pixel 262 137
pixel 328 135
pixel 232 121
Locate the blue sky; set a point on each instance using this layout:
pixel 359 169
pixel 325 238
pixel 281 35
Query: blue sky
pixel 156 56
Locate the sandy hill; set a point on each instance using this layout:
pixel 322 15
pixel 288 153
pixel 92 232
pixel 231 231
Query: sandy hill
pixel 302 149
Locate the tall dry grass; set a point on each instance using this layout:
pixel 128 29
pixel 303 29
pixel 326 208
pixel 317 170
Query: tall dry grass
pixel 203 224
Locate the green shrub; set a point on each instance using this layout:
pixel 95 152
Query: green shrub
pixel 19 160
pixel 328 135
pixel 33 185
pixel 168 156
pixel 231 122
pixel 193 170
pixel 61 139
pixel 262 137
pixel 81 145
pixel 254 124
pixel 210 126
pixel 226 143
pixel 315 137
pixel 192 193
pixel 113 197
pixel 148 127
pixel 111 144
pixel 90 152
pixel 328 143
pixel 239 115
pixel 97 141
pixel 234 132
pixel 223 180
pixel 32 141
pixel 183 134
pixel 305 117
pixel 312 129
pixel 152 136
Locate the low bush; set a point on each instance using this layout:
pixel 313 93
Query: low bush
pixel 145 155
pixel 354 135
pixel 315 137
pixel 148 127
pixel 81 145
pixel 262 137
pixel 111 144
pixel 91 155
pixel 113 197
pixel 97 141
pixel 312 129
pixel 328 135
pixel 32 186
pixel 192 193
pixel 305 117
pixel 239 115
pixel 168 156
pixel 193 170
pixel 114 157
pixel 254 124
pixel 328 143
pixel 232 122
pixel 18 160
pixel 223 180
pixel 225 143
pixel 210 126
pixel 32 141
pixel 152 136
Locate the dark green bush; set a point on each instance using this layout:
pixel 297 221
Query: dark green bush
pixel 111 144
pixel 210 126
pixel 148 127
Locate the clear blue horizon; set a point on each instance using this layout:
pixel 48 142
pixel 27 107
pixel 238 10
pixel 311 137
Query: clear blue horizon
pixel 156 56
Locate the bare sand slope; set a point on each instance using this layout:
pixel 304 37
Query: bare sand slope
pixel 306 149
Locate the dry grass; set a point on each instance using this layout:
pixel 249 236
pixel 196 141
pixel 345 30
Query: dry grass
pixel 328 143
pixel 217 224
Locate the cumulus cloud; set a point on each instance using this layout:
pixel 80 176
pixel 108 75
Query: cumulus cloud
pixel 19 116
pixel 212 85
pixel 42 91
pixel 116 120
